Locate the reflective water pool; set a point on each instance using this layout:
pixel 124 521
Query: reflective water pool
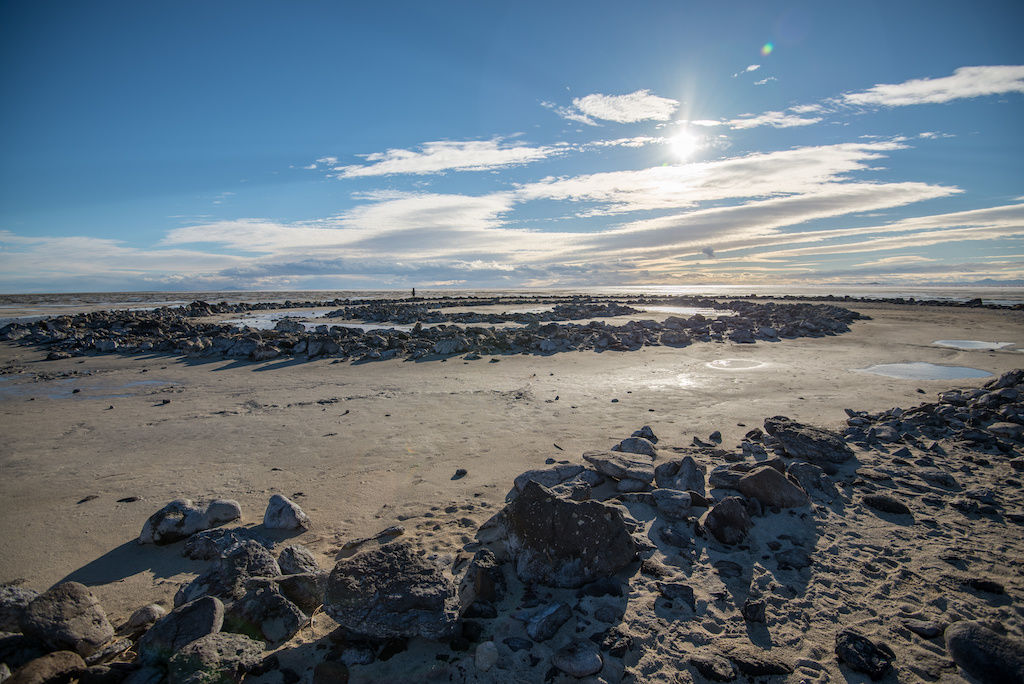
pixel 735 364
pixel 688 311
pixel 920 370
pixel 972 345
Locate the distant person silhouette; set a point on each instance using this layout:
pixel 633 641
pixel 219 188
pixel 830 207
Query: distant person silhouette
pixel 414 293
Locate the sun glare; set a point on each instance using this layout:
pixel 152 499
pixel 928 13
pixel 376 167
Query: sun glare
pixel 684 144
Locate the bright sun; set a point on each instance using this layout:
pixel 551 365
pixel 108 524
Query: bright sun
pixel 684 144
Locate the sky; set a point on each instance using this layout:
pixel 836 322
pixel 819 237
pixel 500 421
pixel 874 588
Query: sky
pixel 332 145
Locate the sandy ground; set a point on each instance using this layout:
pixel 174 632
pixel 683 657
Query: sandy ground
pixel 358 445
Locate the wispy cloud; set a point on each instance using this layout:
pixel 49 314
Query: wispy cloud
pixel 806 109
pixel 992 223
pixel 411 223
pixel 902 260
pixel 637 141
pixel 447 155
pixel 54 261
pixel 640 105
pixel 754 223
pixel 764 81
pixel 965 82
pixel 785 172
pixel 752 67
pixel 765 216
pixel 773 119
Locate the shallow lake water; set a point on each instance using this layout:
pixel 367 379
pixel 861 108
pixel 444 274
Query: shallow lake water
pixel 972 345
pixel 735 364
pixel 920 370
pixel 688 311
pixel 64 388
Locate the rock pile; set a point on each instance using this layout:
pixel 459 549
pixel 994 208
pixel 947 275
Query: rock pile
pixel 175 331
pixel 409 314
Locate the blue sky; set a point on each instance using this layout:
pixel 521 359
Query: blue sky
pixel 324 145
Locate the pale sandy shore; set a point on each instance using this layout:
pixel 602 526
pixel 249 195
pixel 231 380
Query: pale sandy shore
pixel 362 446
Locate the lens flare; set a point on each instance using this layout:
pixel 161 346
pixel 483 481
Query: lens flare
pixel 766 49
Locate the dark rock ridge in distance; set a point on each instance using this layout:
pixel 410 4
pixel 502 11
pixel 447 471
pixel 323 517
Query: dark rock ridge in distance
pixel 176 331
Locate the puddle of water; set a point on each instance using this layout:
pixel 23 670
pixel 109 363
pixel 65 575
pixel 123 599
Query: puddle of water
pixel 688 311
pixel 367 326
pixel 268 319
pixel 972 345
pixel 529 310
pixel 735 364
pixel 920 370
pixel 64 389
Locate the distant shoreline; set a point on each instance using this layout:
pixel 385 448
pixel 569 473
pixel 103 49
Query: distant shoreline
pixel 1000 296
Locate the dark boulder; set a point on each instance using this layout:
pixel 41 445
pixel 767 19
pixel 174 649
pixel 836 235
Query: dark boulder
pixel 813 480
pixel 886 504
pixel 392 591
pixel 564 543
pixel 682 474
pixel 68 617
pixel 13 602
pixel 862 654
pixel 59 667
pixel 219 658
pixel 814 445
pixel 989 657
pixel 622 466
pixel 728 520
pixel 770 487
pixel 227 577
pixel 181 626
pixel 544 623
pixel 264 613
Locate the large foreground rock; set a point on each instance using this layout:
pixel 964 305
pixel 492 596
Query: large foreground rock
pixel 13 602
pixel 862 654
pixel 622 466
pixel 770 487
pixel 181 626
pixel 549 477
pixel 68 617
pixel 813 480
pixel 811 444
pixel 564 543
pixel 214 659
pixel 295 559
pixel 728 520
pixel 264 613
pixel 989 657
pixel 52 668
pixel 637 445
pixel 391 591
pixel 284 514
pixel 683 474
pixel 181 519
pixel 227 577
